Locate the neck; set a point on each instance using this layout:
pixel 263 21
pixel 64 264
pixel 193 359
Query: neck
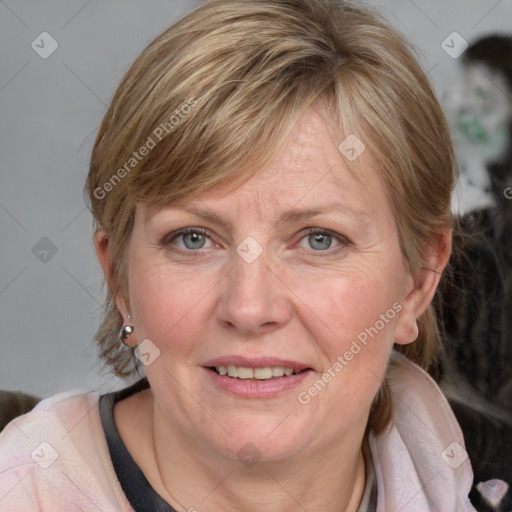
pixel 193 478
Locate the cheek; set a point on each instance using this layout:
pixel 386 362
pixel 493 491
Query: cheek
pixel 352 322
pixel 348 308
pixel 353 329
pixel 169 305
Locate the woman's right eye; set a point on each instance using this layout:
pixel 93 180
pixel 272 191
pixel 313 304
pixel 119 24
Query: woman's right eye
pixel 191 239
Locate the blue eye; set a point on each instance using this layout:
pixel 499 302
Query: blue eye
pixel 319 240
pixel 191 239
pixel 196 239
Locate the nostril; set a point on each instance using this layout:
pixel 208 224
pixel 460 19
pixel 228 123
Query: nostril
pixel 228 324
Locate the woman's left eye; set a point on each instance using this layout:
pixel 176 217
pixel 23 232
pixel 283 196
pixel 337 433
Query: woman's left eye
pixel 320 240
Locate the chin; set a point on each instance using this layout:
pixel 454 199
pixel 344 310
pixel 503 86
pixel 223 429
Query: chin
pixel 266 437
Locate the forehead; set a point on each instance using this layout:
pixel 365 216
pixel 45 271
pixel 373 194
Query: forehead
pixel 309 171
pixel 310 167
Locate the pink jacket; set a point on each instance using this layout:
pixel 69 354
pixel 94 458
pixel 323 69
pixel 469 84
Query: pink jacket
pixel 56 457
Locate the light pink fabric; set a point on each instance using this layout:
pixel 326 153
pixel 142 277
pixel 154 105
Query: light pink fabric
pixel 81 478
pixel 420 461
pixel 412 474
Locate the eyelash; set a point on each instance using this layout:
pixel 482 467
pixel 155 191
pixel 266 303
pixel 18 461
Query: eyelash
pixel 168 239
pixel 343 242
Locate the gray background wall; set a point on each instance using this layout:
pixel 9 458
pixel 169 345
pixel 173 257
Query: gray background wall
pixel 51 290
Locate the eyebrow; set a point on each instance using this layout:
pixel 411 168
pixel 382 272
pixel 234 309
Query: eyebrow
pixel 210 216
pixel 289 217
pixel 296 215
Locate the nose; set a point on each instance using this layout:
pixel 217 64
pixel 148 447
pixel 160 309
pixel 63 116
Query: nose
pixel 254 299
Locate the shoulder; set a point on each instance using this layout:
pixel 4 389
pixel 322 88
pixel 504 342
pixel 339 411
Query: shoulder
pixel 423 449
pixel 57 453
pixel 50 421
pixel 438 442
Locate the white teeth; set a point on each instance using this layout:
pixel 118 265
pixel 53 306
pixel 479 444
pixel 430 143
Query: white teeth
pixel 245 373
pixel 232 371
pixel 277 371
pixel 265 373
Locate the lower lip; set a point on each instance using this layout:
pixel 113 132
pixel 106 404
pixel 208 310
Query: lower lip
pixel 257 388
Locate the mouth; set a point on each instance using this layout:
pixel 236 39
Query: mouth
pixel 256 377
pixel 255 373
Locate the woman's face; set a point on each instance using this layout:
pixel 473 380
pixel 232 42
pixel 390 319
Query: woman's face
pixel 299 268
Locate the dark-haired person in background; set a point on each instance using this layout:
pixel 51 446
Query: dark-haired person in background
pixel 475 305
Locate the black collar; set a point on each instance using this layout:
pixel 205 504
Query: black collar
pixel 138 491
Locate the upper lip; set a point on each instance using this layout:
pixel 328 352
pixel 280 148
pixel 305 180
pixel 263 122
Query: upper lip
pixel 255 362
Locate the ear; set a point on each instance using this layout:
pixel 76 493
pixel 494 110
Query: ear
pixel 102 247
pixel 421 288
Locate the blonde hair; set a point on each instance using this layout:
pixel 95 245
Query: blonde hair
pixel 225 85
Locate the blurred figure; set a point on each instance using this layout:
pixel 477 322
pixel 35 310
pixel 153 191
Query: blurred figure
pixel 475 301
pixel 482 124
